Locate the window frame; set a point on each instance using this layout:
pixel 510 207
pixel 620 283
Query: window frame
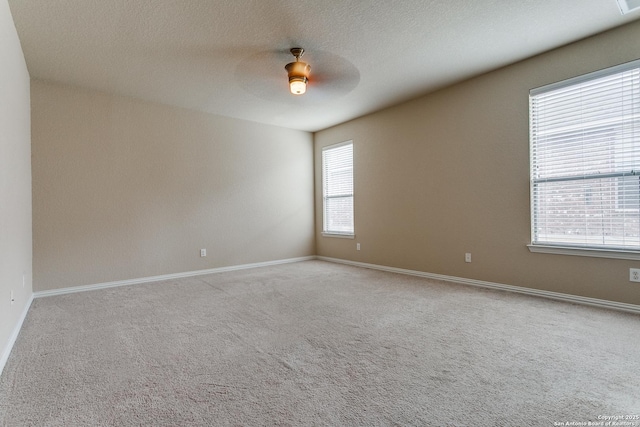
pixel 334 233
pixel 566 248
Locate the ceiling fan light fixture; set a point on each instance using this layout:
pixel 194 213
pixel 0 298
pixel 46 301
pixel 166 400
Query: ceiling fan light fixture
pixel 298 73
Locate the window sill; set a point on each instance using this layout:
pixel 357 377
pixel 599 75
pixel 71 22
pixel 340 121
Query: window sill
pixel 596 253
pixel 338 235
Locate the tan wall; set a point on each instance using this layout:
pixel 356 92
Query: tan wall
pixel 124 189
pixel 448 173
pixel 15 181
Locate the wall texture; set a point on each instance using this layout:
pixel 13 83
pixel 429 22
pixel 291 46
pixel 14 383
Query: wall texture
pixel 448 173
pixel 124 189
pixel 15 182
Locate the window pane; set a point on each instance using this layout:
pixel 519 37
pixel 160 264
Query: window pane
pixel 339 215
pixel 596 212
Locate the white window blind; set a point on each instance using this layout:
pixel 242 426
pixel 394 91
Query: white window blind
pixel 585 160
pixel 337 189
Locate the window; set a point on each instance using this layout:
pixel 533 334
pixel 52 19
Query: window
pixel 337 189
pixel 585 161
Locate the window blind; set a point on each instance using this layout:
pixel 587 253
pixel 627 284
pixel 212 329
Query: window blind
pixel 585 160
pixel 337 188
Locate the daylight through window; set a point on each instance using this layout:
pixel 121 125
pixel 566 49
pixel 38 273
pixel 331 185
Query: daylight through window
pixel 585 160
pixel 337 189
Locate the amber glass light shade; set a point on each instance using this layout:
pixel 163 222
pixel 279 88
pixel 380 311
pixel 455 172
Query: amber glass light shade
pixel 298 76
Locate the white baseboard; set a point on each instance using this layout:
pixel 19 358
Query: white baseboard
pixel 14 335
pixel 74 289
pixel 521 290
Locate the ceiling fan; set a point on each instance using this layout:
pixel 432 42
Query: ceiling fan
pixel 261 74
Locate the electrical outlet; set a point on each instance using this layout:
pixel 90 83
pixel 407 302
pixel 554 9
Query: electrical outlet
pixel 203 252
pixel 357 246
pixel 467 257
pixel 634 274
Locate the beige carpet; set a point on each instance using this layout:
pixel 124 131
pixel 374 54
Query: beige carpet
pixel 315 343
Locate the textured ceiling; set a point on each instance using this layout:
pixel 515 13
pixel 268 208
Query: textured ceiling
pixel 228 57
